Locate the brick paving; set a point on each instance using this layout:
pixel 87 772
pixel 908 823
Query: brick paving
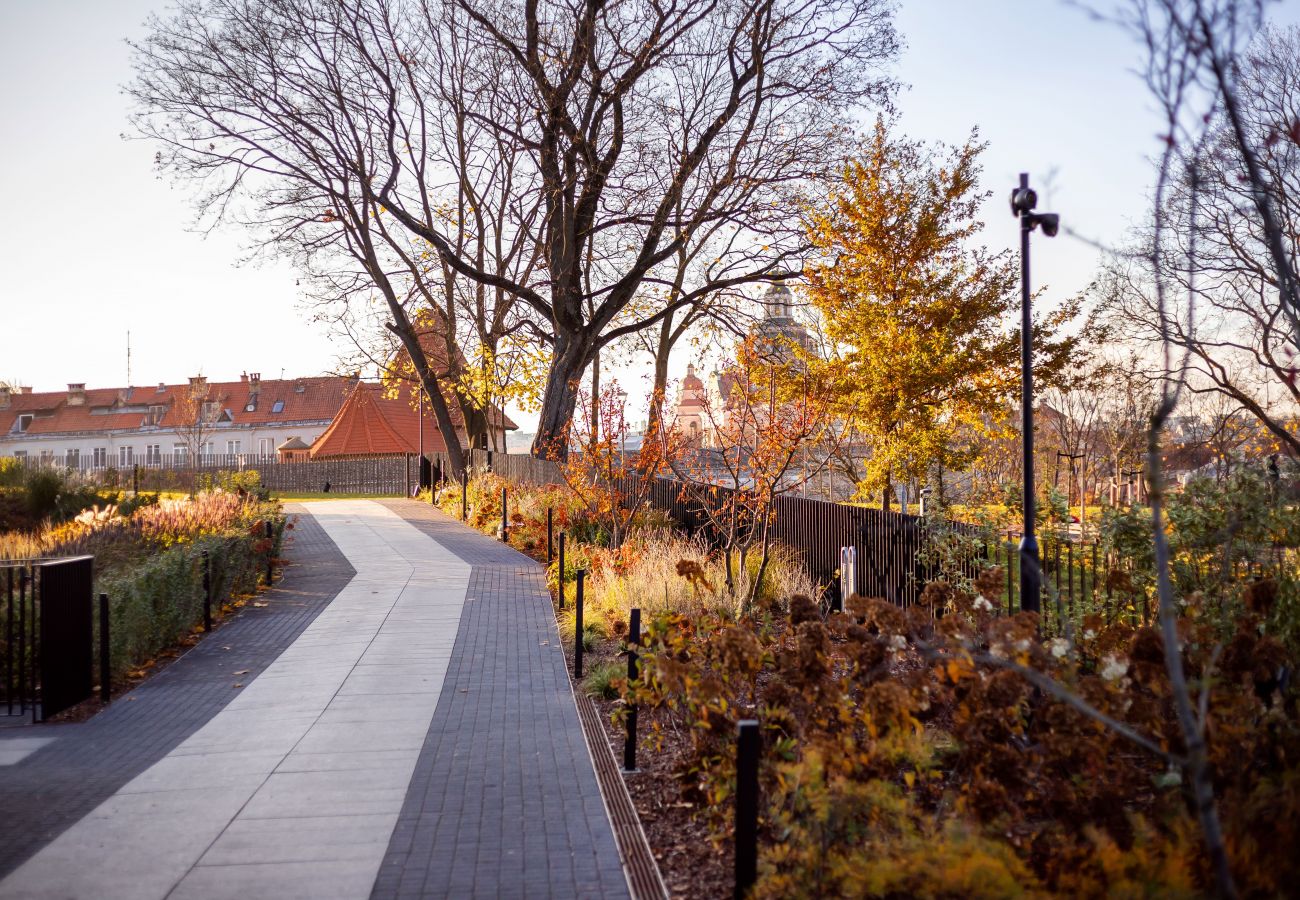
pixel 475 783
pixel 504 801
pixel 85 763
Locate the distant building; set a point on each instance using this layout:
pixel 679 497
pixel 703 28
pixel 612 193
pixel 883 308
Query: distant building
pixel 244 420
pixel 702 407
pixel 376 420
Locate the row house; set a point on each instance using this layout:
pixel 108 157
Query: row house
pixel 205 421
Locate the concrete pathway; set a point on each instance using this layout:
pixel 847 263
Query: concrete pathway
pixel 314 780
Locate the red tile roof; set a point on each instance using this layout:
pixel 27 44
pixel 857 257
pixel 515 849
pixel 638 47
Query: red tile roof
pixel 303 400
pixel 370 423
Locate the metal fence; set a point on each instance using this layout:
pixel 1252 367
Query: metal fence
pixel 888 544
pixel 47 654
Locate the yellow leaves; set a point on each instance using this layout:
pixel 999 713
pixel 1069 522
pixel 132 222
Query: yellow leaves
pixel 956 669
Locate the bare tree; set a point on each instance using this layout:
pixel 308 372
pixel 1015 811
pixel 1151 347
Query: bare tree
pixel 269 109
pixel 195 413
pixel 1244 341
pixel 1193 62
pixel 636 128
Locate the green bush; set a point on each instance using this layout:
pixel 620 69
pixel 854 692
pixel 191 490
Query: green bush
pixel 604 679
pixel 11 472
pixel 248 481
pixel 158 601
pixel 43 488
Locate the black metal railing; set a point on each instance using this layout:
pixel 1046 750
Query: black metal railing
pixel 47 654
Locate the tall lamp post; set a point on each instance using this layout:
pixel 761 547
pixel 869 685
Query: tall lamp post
pixel 1023 201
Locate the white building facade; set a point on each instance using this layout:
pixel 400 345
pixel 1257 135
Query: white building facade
pixel 198 422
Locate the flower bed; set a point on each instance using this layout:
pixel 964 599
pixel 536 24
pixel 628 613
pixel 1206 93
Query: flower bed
pixel 941 750
pixel 148 559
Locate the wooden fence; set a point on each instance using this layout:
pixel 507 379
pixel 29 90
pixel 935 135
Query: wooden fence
pixel 394 475
pixel 890 563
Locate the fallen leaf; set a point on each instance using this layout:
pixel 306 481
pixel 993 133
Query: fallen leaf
pixel 242 672
pixel 259 604
pixel 237 685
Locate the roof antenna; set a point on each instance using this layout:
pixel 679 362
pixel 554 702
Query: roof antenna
pixel 128 357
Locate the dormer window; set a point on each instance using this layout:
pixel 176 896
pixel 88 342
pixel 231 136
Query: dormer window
pixel 23 422
pixel 210 408
pixel 156 414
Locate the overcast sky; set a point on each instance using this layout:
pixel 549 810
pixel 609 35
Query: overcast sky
pixel 93 244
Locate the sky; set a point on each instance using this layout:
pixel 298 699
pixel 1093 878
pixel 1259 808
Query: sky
pixel 93 243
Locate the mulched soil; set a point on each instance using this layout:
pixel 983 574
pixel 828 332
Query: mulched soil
pixel 691 865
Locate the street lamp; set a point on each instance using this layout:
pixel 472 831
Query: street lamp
pixel 1023 201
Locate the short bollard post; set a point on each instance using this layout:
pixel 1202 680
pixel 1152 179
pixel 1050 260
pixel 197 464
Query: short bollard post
pixel 270 552
pixel 105 667
pixel 747 740
pixel 550 534
pixel 848 574
pixel 464 499
pixel 207 592
pixel 633 640
pixel 561 570
pixel 505 517
pixel 577 627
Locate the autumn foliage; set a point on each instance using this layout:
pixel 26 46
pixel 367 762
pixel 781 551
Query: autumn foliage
pixel 909 752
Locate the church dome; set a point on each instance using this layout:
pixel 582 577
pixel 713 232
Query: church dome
pixel 778 302
pixel 692 393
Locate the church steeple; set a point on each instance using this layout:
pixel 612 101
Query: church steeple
pixel 777 302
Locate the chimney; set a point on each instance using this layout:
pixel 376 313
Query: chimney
pixel 5 391
pixel 254 382
pixel 198 381
pixel 24 388
pixel 77 394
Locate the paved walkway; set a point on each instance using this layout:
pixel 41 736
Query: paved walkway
pixel 415 737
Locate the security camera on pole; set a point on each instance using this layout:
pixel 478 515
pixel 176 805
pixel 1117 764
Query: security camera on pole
pixel 1023 201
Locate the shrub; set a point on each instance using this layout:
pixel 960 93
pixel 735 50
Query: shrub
pixel 42 488
pixel 906 755
pixel 148 562
pixel 159 600
pixel 12 472
pixel 605 679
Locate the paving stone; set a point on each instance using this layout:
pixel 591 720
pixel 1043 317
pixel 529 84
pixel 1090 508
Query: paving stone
pixel 504 758
pixel 86 763
pixel 420 740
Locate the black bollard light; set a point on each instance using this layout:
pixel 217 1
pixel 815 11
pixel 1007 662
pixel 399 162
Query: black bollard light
pixel 550 534
pixel 633 641
pixel 105 667
pixel 747 746
pixel 505 518
pixel 577 628
pixel 207 592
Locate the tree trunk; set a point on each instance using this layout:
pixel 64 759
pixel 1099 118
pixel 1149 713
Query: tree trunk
pixel 441 412
pixel 658 391
pixel 567 364
pixel 886 495
pixel 594 437
pixel 1196 763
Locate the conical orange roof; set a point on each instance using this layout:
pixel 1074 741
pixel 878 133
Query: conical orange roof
pixel 370 423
